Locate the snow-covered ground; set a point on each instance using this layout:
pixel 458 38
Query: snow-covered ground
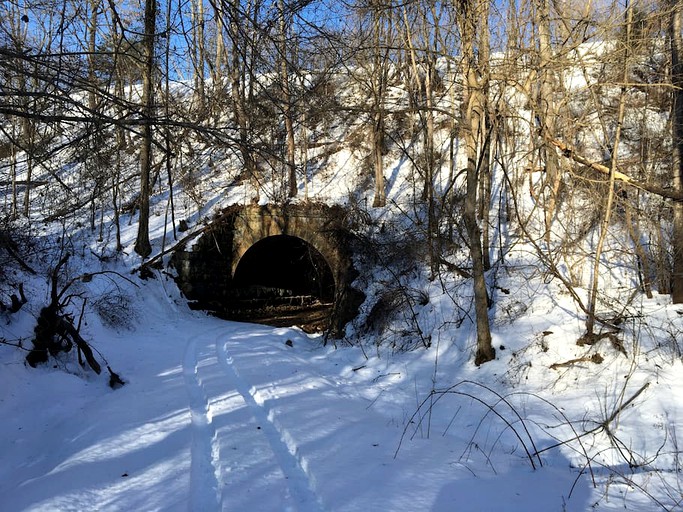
pixel 218 415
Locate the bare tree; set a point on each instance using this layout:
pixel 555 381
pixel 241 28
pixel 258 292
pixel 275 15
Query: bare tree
pixel 546 112
pixel 380 62
pixel 472 17
pixel 288 108
pixel 199 52
pixel 422 53
pixel 238 30
pixel 676 42
pixel 609 203
pixel 142 243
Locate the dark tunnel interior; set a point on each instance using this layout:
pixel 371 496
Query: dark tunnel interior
pixel 288 264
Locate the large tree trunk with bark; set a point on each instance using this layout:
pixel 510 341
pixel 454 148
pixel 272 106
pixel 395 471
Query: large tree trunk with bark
pixel 473 111
pixel 142 244
pixel 675 27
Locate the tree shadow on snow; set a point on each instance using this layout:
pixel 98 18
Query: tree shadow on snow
pixel 552 487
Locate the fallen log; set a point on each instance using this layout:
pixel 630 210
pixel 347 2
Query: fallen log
pixel 570 153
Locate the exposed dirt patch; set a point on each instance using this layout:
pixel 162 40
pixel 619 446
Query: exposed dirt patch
pixel 305 312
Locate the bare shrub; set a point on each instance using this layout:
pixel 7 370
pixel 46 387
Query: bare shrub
pixel 385 310
pixel 394 301
pixel 115 310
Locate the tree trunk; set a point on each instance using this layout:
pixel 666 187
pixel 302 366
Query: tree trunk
pixel 675 26
pixel 29 147
pixel 378 159
pixel 422 85
pixel 92 47
pixel 378 90
pixel 167 131
pixel 641 256
pixel 199 54
pixel 546 115
pixel 473 107
pixel 142 244
pixel 238 98
pixel 290 158
pixel 484 141
pixel 13 177
pixel 26 139
pixel 220 50
pixel 593 292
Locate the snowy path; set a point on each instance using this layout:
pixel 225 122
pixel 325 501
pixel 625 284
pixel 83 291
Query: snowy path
pixel 223 416
pixel 205 455
pixel 284 448
pixel 216 390
pixel 268 426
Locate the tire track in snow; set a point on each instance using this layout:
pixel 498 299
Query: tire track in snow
pixel 204 494
pixel 301 484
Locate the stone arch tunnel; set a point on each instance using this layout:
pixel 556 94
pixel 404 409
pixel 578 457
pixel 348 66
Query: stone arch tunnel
pixel 288 265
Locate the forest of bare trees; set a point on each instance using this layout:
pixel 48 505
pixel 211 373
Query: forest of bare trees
pixel 558 122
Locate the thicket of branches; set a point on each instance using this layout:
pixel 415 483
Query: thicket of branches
pixel 556 120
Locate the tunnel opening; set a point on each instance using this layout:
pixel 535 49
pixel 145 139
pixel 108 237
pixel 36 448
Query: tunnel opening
pixel 282 280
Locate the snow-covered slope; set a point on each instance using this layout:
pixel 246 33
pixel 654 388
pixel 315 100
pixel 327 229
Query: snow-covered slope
pixel 224 416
